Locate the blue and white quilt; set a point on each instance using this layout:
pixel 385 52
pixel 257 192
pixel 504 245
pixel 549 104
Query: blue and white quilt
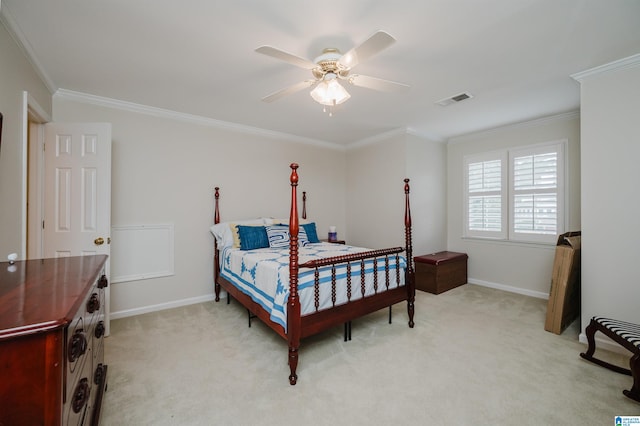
pixel 263 274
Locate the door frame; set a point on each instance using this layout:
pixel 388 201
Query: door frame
pixel 34 117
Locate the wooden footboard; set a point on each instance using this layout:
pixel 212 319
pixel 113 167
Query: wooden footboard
pixel 387 292
pixel 355 290
pixel 297 326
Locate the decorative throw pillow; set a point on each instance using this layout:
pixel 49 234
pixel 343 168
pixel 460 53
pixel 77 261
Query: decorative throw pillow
pixel 234 229
pixel 310 230
pixel 252 237
pixel 279 236
pixel 303 238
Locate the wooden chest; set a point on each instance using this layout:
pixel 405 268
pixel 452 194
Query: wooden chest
pixel 442 271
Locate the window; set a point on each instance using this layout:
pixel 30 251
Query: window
pixel 516 194
pixel 486 190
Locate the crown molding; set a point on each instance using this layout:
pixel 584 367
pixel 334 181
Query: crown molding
pixel 40 115
pixel 16 33
pixel 628 62
pixel 380 137
pixel 188 118
pixel 400 131
pixel 565 116
pixel 430 136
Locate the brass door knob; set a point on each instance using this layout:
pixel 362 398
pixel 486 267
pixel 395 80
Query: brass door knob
pixel 98 241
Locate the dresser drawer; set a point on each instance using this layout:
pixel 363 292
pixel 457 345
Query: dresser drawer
pixel 77 407
pixel 84 358
pixel 75 355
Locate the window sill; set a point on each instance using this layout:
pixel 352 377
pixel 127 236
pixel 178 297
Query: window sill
pixel 511 243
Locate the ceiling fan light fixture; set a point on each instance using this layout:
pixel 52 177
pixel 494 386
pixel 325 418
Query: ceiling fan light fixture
pixel 329 92
pixel 331 66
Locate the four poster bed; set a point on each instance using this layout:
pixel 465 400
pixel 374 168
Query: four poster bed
pixel 299 286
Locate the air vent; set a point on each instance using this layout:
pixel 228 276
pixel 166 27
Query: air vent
pixel 455 99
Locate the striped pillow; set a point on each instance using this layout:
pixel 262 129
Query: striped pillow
pixel 279 236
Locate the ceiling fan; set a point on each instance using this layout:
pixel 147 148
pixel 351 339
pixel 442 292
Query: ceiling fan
pixel 332 66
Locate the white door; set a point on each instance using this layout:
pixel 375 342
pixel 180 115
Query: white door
pixel 77 193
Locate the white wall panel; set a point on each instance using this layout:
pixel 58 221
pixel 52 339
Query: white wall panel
pixel 140 252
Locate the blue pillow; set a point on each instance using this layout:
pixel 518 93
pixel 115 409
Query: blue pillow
pixel 252 237
pixel 310 229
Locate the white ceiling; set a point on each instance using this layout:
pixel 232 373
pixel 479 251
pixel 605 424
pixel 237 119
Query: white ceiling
pixel 197 57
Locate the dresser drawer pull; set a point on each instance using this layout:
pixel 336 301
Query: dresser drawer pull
pixel 80 395
pixel 103 282
pixel 98 375
pixel 93 304
pixel 77 345
pixel 99 330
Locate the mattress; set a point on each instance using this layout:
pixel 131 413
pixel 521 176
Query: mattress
pixel 263 274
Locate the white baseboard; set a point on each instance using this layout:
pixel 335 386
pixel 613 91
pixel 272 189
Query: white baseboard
pixel 602 342
pixel 161 306
pixel 524 291
pixel 210 297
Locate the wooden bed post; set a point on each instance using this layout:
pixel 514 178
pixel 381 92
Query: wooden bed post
pixel 293 304
pixel 216 260
pixel 410 279
pixel 304 204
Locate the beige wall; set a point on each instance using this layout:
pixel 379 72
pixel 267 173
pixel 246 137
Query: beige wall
pixel 16 77
pixel 164 171
pixel 523 268
pixel 427 169
pixel 375 205
pixel 610 108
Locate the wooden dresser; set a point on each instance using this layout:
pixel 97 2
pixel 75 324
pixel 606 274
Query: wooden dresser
pixel 52 369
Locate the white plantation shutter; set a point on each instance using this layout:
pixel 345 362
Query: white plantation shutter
pixel 521 199
pixel 485 195
pixel 536 193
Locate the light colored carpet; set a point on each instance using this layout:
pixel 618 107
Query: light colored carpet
pixel 476 356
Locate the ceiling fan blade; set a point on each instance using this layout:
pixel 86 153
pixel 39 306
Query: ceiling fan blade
pixel 377 83
pixel 287 57
pixel 288 90
pixel 374 44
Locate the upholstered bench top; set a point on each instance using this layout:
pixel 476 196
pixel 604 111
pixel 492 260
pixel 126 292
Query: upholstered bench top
pixel 625 330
